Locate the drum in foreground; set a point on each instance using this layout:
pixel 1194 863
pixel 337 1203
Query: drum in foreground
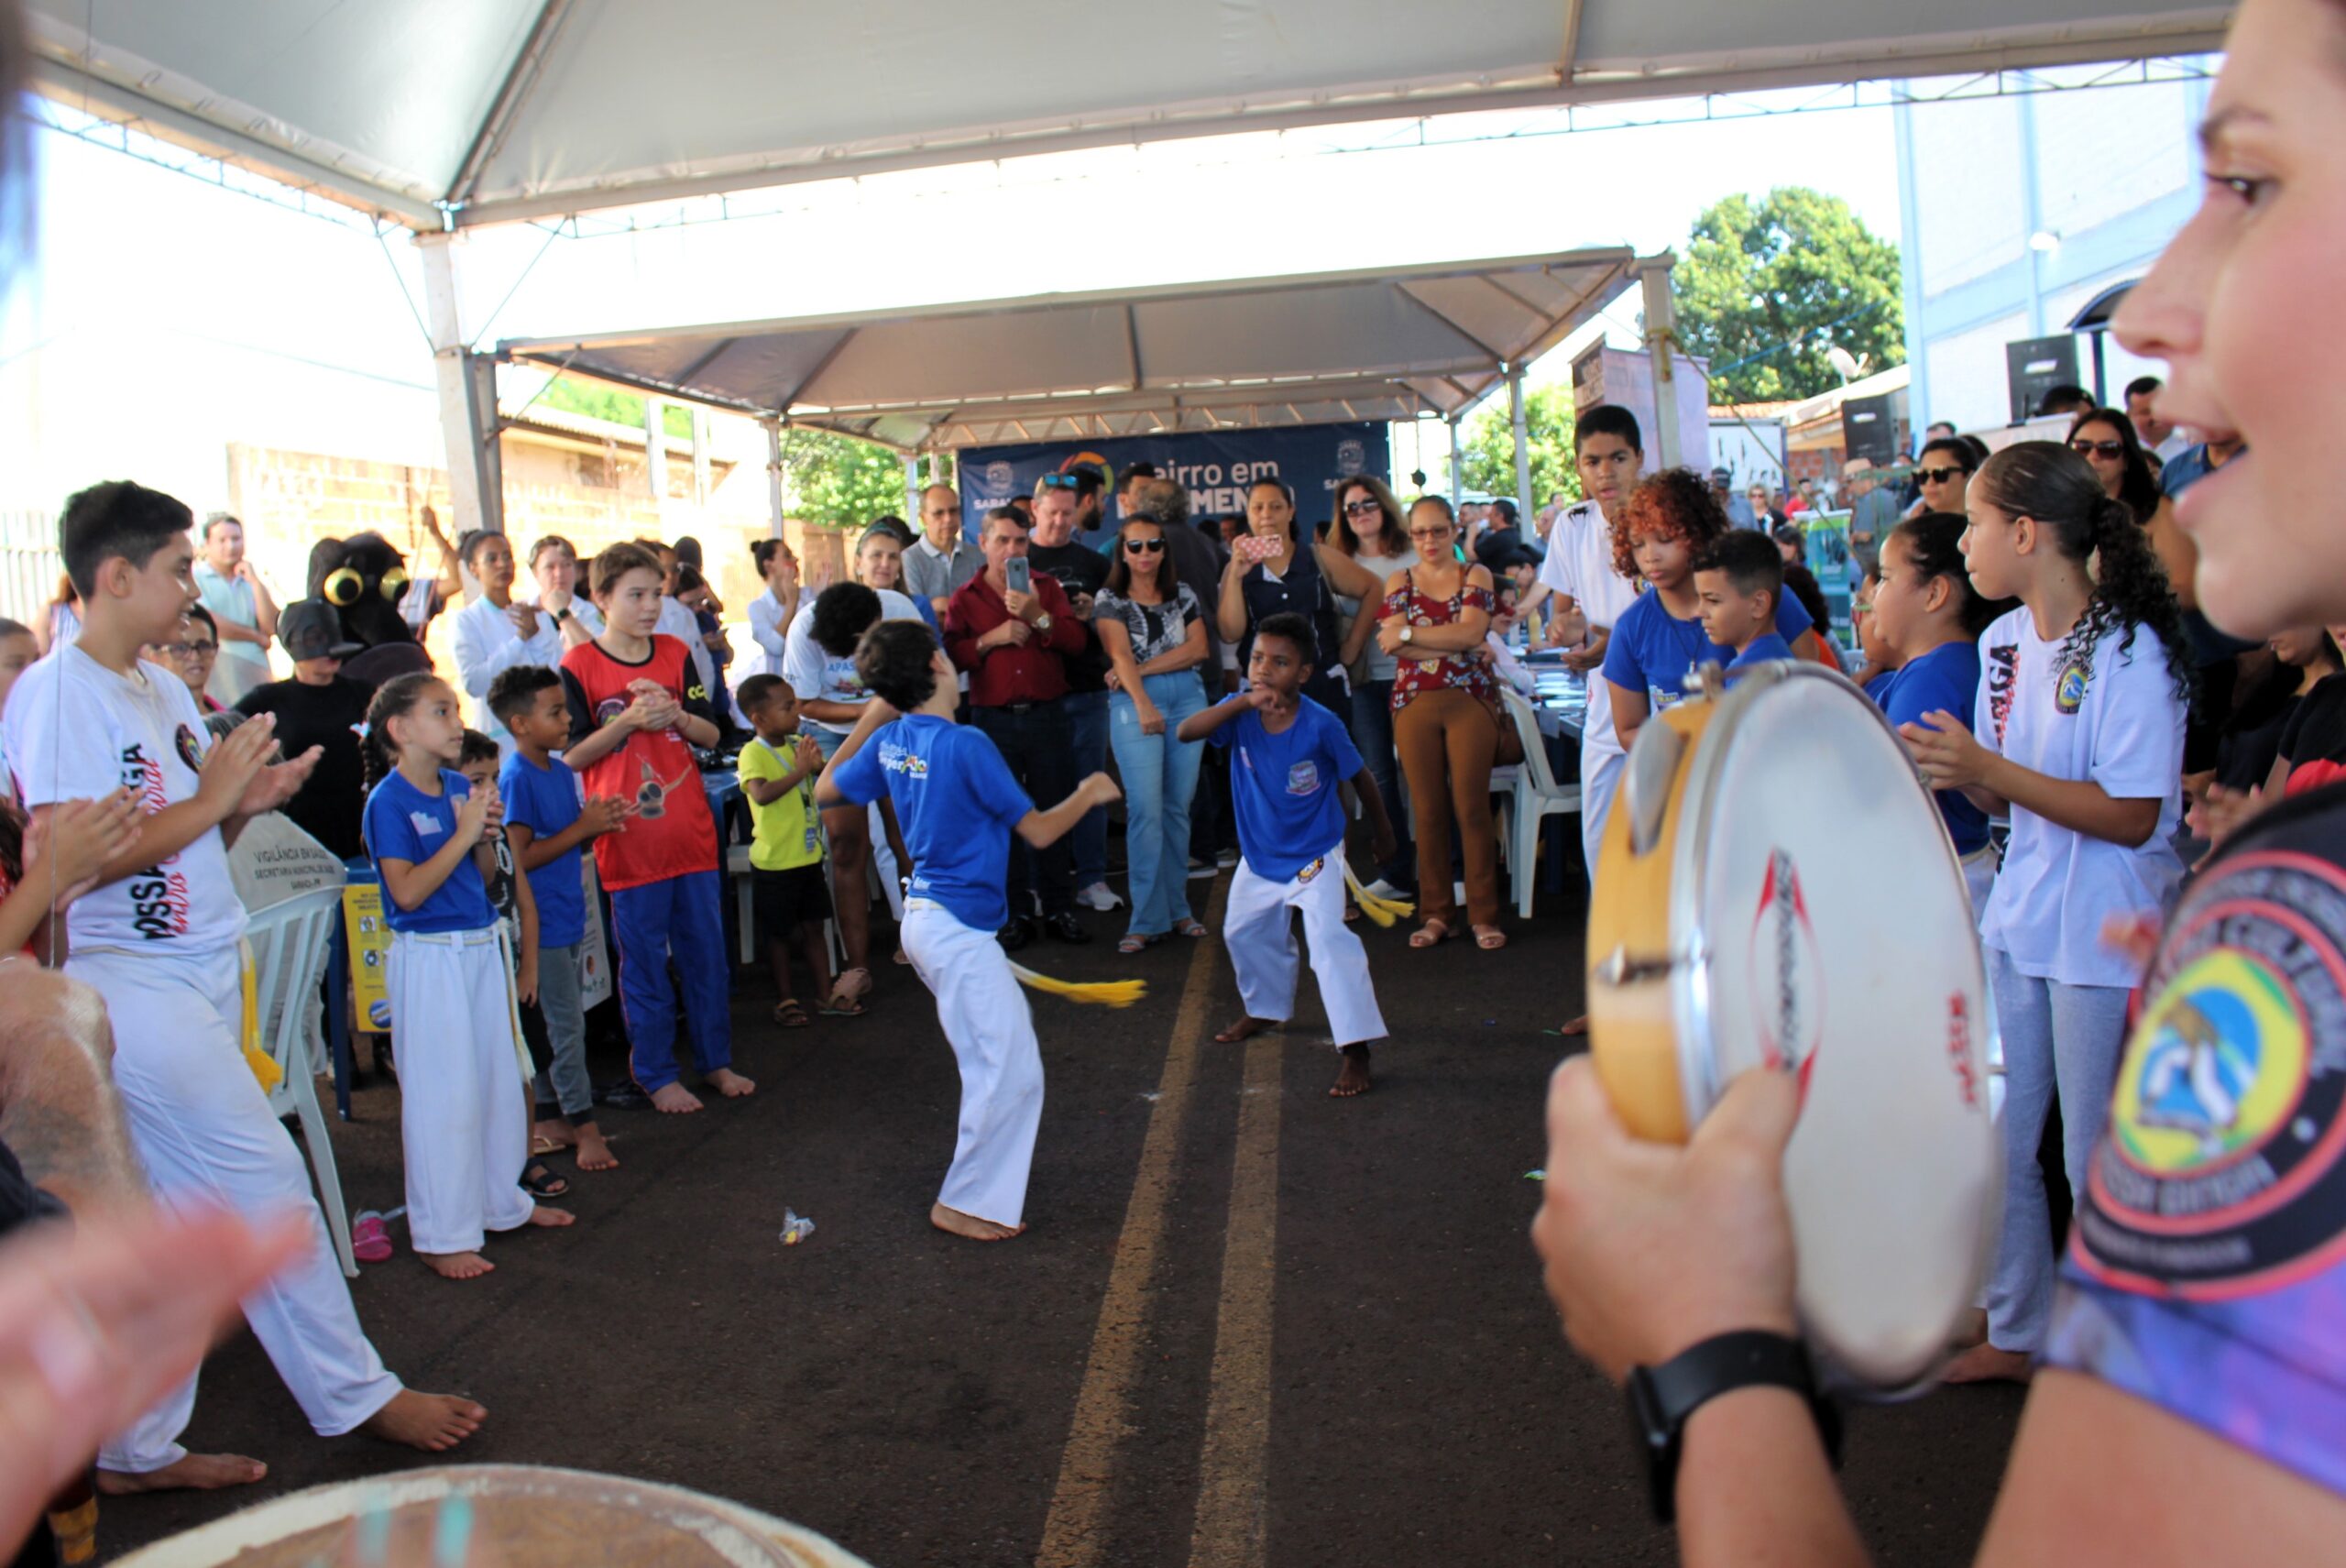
pixel 522 1517
pixel 1776 888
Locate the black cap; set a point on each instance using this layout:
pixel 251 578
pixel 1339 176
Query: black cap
pixel 311 628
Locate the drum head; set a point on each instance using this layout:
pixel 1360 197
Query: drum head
pixel 1836 941
pixel 522 1517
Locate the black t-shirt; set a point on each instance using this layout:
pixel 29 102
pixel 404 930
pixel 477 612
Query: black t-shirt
pixel 1078 568
pixel 2316 732
pixel 330 805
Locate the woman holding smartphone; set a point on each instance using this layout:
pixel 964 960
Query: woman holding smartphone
pixel 1271 572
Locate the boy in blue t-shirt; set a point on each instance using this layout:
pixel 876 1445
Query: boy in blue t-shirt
pixel 1288 754
pixel 545 827
pixel 958 804
pixel 1740 581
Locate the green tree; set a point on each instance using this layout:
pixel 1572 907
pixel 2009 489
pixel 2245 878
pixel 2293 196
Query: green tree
pixel 1486 443
pixel 600 400
pixel 1765 287
pixel 837 481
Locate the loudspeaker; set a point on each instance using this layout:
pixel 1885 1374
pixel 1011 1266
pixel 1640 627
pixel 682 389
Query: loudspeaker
pixel 1870 430
pixel 2034 365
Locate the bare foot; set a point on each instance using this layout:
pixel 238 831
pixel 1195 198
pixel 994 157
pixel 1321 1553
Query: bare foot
pixel 969 1225
pixel 1984 1362
pixel 432 1422
pixel 728 1083
pixel 594 1153
pixel 191 1473
pixel 1352 1080
pixel 456 1265
pixel 547 1137
pixel 674 1099
pixel 1243 1028
pixel 554 1218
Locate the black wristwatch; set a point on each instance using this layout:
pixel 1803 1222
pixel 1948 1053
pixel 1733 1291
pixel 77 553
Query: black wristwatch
pixel 1662 1398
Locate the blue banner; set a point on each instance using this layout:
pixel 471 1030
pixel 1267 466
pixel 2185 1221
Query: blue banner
pixel 1218 467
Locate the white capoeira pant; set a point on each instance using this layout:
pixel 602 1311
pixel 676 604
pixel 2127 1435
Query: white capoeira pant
pixel 1260 934
pixel 1600 780
pixel 203 1128
pixel 985 1018
pixel 464 1109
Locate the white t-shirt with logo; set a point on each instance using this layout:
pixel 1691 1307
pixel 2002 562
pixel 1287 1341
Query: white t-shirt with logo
pixel 76 731
pixel 2118 725
pixel 1580 563
pixel 818 676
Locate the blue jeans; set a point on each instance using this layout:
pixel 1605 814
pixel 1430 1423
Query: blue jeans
pixel 1160 774
pixel 682 918
pixel 2068 1035
pixel 1371 727
pixel 1087 723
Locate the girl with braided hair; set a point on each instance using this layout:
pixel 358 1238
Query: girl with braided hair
pixel 2077 731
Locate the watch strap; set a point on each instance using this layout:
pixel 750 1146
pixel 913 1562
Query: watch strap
pixel 1661 1398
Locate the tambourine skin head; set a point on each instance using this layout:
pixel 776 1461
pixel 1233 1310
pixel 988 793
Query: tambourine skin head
pixel 1633 1027
pixel 1794 905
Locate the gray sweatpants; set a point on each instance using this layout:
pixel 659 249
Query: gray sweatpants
pixel 566 1082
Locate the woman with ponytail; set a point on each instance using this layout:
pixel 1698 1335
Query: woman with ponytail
pixel 1925 623
pixel 2078 724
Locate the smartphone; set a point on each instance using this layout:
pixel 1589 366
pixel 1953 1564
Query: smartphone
pixel 1018 574
pixel 1254 546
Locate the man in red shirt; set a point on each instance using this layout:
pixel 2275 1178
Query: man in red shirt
pixel 1012 643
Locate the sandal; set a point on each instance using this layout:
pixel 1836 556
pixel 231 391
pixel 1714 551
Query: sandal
pixel 539 1182
pixel 1193 929
pixel 1490 938
pixel 841 1006
pixel 1352 913
pixel 790 1014
pixel 1135 942
pixel 1432 934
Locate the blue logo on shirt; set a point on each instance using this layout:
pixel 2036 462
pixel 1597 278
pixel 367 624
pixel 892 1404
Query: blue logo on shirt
pixel 2070 695
pixel 1303 778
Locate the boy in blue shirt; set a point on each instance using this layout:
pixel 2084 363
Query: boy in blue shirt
pixel 545 827
pixel 958 806
pixel 1740 581
pixel 1287 755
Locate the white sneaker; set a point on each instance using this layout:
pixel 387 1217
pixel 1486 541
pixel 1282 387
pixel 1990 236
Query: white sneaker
pixel 1201 869
pixel 1100 896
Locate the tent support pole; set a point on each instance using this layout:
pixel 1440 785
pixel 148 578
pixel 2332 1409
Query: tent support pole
pixel 1661 345
pixel 655 457
pixel 1457 467
pixel 774 473
pixel 1522 443
pixel 466 384
pixel 912 489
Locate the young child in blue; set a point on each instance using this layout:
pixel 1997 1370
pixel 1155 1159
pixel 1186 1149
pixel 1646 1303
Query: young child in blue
pixel 547 828
pixel 1668 521
pixel 958 806
pixel 1927 619
pixel 464 1121
pixel 1739 583
pixel 1287 755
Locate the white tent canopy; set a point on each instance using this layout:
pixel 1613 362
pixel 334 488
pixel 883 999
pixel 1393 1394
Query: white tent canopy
pixel 1390 344
pixel 461 111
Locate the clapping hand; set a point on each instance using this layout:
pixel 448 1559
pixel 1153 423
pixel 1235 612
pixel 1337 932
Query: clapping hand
pixel 1949 755
pixel 605 814
pixel 807 754
pixel 71 845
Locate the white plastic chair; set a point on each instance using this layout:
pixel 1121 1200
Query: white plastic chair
pixel 1529 794
pixel 289 947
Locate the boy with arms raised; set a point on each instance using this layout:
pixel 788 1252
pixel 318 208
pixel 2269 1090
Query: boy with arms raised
pixel 1288 754
pixel 156 938
pixel 637 708
pixel 545 825
pixel 958 805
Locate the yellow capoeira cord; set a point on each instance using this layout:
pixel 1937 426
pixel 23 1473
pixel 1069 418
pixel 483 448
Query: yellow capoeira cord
pixel 1384 911
pixel 1101 992
pixel 264 1065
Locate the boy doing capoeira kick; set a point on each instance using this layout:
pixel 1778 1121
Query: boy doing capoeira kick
pixel 1288 754
pixel 958 806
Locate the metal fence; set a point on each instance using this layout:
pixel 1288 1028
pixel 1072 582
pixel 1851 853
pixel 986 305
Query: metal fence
pixel 30 565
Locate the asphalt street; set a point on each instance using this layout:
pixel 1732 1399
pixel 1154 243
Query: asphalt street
pixel 1248 1324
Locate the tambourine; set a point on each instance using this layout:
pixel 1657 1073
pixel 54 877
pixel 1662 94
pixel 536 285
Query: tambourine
pixel 1776 888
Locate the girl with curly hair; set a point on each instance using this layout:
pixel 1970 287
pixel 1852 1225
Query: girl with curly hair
pixel 1669 520
pixel 2077 731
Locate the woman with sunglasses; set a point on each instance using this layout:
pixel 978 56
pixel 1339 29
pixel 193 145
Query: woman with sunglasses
pixel 1446 719
pixel 1278 573
pixel 1370 534
pixel 2186 1409
pixel 2106 439
pixel 1942 476
pixel 1152 628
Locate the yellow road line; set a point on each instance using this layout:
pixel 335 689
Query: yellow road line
pixel 1072 1532
pixel 1233 1464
